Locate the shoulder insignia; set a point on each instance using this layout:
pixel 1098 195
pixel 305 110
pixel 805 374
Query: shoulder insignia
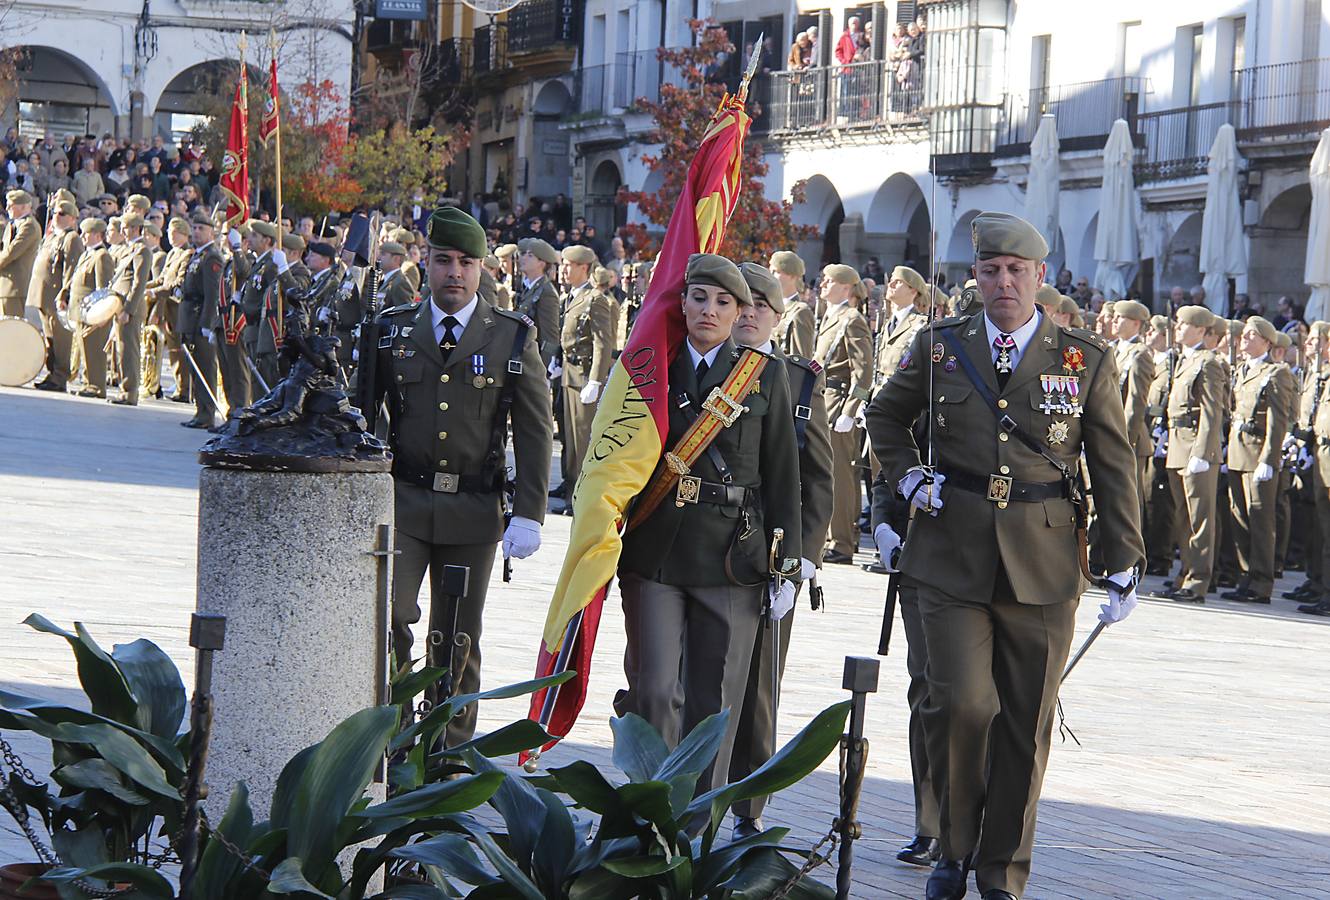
pixel 811 365
pixel 215 265
pixel 1089 337
pixel 947 322
pixel 514 314
pixel 400 309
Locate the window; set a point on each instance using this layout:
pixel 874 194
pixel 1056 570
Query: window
pixel 1194 86
pixel 1239 43
pixel 1041 51
pixel 1128 61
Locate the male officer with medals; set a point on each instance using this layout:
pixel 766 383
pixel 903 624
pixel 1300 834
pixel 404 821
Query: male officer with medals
pixel 1013 401
pixel 270 272
pixel 197 319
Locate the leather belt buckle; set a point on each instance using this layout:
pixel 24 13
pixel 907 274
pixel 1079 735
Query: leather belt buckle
pixel 688 490
pixel 999 488
pixel 803 412
pixel 445 482
pixel 723 407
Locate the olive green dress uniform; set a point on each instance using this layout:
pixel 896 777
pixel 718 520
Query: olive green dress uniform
pixel 1196 423
pixel 395 290
pixel 442 426
pixel 1136 368
pixel 1259 424
pixel 1320 450
pixel 19 245
pixel 51 272
pixel 93 272
pixel 350 305
pixel 1162 523
pixel 540 303
pixel 588 352
pixel 198 324
pixel 796 332
pixel 1308 406
pixel 692 575
pixel 237 382
pixel 1288 385
pixel 131 283
pixel 258 304
pixel 845 352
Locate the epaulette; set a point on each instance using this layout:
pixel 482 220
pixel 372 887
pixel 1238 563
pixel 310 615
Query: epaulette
pixel 811 365
pixel 1094 340
pixel 514 314
pixel 946 322
pixel 399 309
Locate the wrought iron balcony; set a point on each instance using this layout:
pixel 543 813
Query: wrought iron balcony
pixel 859 95
pixel 537 26
pixel 1283 99
pixel 1085 112
pixel 1178 141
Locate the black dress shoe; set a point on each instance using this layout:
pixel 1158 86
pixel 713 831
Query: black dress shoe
pixel 560 492
pixel 835 556
pixel 1318 609
pixel 922 851
pixel 998 894
pixel 1170 585
pixel 746 827
pixel 1226 581
pixel 123 400
pixel 947 881
pixel 196 422
pixel 1239 594
pixel 1305 591
pixel 178 397
pixel 1185 595
pixel 1250 597
pixel 47 384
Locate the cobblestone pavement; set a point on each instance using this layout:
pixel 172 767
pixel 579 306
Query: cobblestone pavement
pixel 1201 765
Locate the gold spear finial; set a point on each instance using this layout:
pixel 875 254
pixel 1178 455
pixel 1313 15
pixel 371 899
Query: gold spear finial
pixel 753 62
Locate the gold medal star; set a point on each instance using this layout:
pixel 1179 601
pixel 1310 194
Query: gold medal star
pixel 1058 432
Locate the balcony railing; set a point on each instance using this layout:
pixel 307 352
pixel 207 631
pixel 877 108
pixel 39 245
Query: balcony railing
pixel 859 95
pixel 538 25
pixel 1283 99
pixel 490 48
pixel 1085 113
pixel 1178 141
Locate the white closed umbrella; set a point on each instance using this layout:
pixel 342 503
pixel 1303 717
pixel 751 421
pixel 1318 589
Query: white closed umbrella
pixel 1041 192
pixel 1116 246
pixel 1317 270
pixel 1223 251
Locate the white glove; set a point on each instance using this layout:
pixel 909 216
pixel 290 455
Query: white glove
pixel 1121 597
pixel 860 418
pixel 521 539
pixel 843 424
pixel 929 497
pixel 324 314
pixel 355 354
pixel 554 369
pixel 279 257
pixel 1160 436
pixel 233 238
pixel 1289 443
pixel 1264 472
pixel 887 541
pixel 1196 465
pixel 1305 460
pixel 210 336
pixel 591 392
pixel 807 570
pixel 782 601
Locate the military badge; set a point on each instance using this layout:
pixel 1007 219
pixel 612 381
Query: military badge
pixel 1073 359
pixel 938 352
pixel 941 421
pixel 478 381
pixel 950 365
pixel 906 360
pixel 1058 432
pixel 406 330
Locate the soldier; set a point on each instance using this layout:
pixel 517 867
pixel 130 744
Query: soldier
pixel 394 288
pixel 908 296
pixel 503 296
pixel 1162 509
pixel 754 328
pixel 1279 353
pixel 538 300
pixel 19 245
pixel 1195 423
pixel 198 318
pixel 796 334
pixel 998 618
pixel 163 297
pixel 48 292
pixel 131 283
pixel 455 371
pixel 845 352
pixel 1136 368
pixel 588 352
pixel 1300 457
pixel 93 272
pixel 294 245
pixel 270 272
pixel 229 324
pixel 1318 602
pixel 411 254
pixel 693 575
pixel 322 297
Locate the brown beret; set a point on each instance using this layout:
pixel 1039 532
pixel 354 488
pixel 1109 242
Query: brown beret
pixel 1320 329
pixel 67 208
pixel 19 196
pixel 787 262
pixel 1048 295
pixel 404 236
pixel 65 194
pixel 491 262
pixel 505 251
pixel 1283 339
pixel 1196 315
pixel 1131 309
pixel 841 273
pixel 293 241
pixel 138 201
pixel 708 268
pixel 577 253
pixel 178 224
pixel 910 277
pixel 1262 326
pixel 1159 323
pixel 1002 234
pixel 761 283
pixel 153 229
pixel 1108 308
pixel 1235 327
pixel 92 224
pixel 602 277
pixel 267 229
pixel 131 220
pixel 451 229
pixel 113 223
pixel 392 247
pixel 1068 305
pixel 200 217
pixel 540 249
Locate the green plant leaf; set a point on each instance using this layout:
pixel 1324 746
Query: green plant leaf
pixel 408 685
pixel 413 892
pixel 288 879
pixel 721 862
pixel 121 751
pixel 639 749
pixel 148 881
pixel 503 864
pixel 643 866
pixel 155 683
pixel 288 782
pixel 80 847
pixel 556 847
pixel 584 783
pixel 101 680
pixel 99 775
pixel 765 871
pixel 508 691
pixel 602 884
pixel 438 799
pixel 690 759
pixel 511 738
pixel 521 807
pixel 650 800
pixel 218 866
pixel 55 713
pixel 451 853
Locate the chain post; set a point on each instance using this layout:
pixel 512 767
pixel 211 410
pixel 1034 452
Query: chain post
pixel 207 635
pixel 860 679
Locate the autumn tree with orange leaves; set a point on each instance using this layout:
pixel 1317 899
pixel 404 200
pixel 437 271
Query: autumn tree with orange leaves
pixel 759 226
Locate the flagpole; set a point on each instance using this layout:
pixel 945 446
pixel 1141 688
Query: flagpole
pixel 277 162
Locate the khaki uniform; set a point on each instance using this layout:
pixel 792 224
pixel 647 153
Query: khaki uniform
pixel 539 302
pixel 262 327
pixel 1136 371
pixel 588 353
pixel 1288 386
pixel 845 352
pixel 93 272
pixel 56 260
pixel 893 340
pixel 1196 423
pixel 396 290
pixel 1313 386
pixel 998 618
pixel 198 318
pixel 796 332
pixel 447 482
pixel 163 310
pixel 1259 424
pixel 19 245
pixel 1319 416
pixel 131 283
pixel 754 744
pixel 692 574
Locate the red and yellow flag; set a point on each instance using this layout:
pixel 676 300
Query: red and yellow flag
pixel 234 180
pixel 268 127
pixel 632 419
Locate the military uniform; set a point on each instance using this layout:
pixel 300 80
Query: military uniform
pixel 1196 423
pixel 163 311
pixel 19 245
pixel 198 324
pixel 1284 492
pixel 1319 416
pixel 796 333
pixel 237 381
pixel 396 290
pixel 93 272
pixel 588 352
pixel 259 304
pixel 1162 509
pixel 131 283
pixel 539 302
pixel 325 292
pixel 1136 370
pixel 51 272
pixel 1257 437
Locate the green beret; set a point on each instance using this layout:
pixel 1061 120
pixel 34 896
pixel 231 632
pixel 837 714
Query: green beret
pixel 1002 234
pixel 578 253
pixel 1196 315
pixel 841 273
pixel 1131 309
pixel 708 268
pixel 764 284
pixel 67 208
pixel 540 249
pixel 152 229
pixel 1283 339
pixel 92 224
pixel 491 262
pixel 1047 295
pixel 602 277
pixel 267 229
pixel 449 228
pixel 392 247
pixel 787 262
pixel 505 251
pixel 404 236
pixel 179 224
pixel 910 277
pixel 20 197
pixel 1264 327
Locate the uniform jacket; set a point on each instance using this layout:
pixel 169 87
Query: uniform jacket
pixel 688 545
pixel 540 304
pixel 959 551
pixel 1321 427
pixel 443 418
pixel 53 267
pixel 395 290
pixel 255 281
pixel 1196 409
pixel 796 332
pixel 18 251
pixel 1260 417
pixel 1157 397
pixel 162 289
pixel 891 345
pixel 132 276
pixel 1136 372
pixel 815 484
pixel 93 272
pixel 588 337
pixel 201 293
pixel 845 352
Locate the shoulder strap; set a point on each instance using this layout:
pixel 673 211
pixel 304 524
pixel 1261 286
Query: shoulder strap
pixel 803 411
pixel 494 462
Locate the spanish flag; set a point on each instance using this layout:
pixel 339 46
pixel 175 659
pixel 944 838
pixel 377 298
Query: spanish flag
pixel 234 180
pixel 632 420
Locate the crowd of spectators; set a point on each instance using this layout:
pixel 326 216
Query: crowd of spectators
pixel 550 219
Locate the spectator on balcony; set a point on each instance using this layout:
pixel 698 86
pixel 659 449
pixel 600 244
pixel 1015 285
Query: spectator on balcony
pixel 801 53
pixel 865 51
pixel 848 45
pixel 916 45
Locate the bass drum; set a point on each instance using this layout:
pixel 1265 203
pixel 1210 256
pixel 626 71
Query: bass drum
pixel 22 352
pixel 100 307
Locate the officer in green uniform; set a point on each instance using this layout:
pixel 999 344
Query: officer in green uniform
pixel 1161 521
pixel 325 297
pixel 587 342
pixel 271 271
pixel 1318 601
pixel 198 318
pixel 692 574
pixel 1279 353
pixel 1300 456
pixel 456 372
pixel 537 299
pixel 294 245
pixel 796 333
pixel 998 618
pixel 55 264
pixel 754 328
pixel 395 288
pixel 19 243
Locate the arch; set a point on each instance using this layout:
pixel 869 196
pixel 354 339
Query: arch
pixel 894 205
pixel 1182 256
pixel 1278 248
pixel 603 208
pixel 822 209
pixel 61 92
pixel 960 249
pixel 553 99
pixel 178 107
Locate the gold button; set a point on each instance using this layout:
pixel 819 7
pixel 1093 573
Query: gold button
pixel 941 398
pixel 443 435
pixel 1002 504
pixel 1005 470
pixel 1002 404
pixel 489 380
pixel 399 377
pixel 443 378
pixel 1002 436
pixel 443 464
pixel 444 408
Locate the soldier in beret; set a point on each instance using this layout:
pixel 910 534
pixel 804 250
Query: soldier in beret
pixel 410 271
pixel 270 272
pixel 1136 369
pixel 93 272
pixel 537 300
pixel 163 298
pixel 456 373
pixel 198 322
pixel 1280 354
pixel 19 244
pixel 332 300
pixel 131 283
pixel 796 334
pixel 755 328
pixel 48 291
pixel 1161 526
pixel 395 289
pixel 294 245
pixel 503 296
pixel 587 345
pixel 908 296
pixel 998 618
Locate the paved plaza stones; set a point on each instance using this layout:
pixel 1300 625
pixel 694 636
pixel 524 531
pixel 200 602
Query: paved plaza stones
pixel 1200 772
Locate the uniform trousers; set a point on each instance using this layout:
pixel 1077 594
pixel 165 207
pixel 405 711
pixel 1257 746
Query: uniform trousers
pixel 1162 517
pixel 93 353
pixel 755 741
pixel 577 417
pixel 59 342
pixel 846 502
pixel 688 656
pixel 993 670
pixel 926 814
pixel 175 358
pixel 1283 481
pixel 1198 517
pixel 1254 529
pixel 205 357
pixel 235 374
pixel 1321 495
pixel 129 345
pixel 414 558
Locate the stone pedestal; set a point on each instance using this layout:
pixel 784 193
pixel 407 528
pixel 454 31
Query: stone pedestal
pixel 288 558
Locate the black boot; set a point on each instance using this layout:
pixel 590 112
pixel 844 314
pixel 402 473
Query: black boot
pixel 948 880
pixel 922 851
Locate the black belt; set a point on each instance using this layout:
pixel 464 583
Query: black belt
pixel 1192 420
pixel 1001 489
pixel 444 482
pixel 694 490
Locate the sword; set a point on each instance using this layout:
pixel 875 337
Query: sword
pixel 254 370
pixel 198 373
pixel 1098 630
pixel 773 564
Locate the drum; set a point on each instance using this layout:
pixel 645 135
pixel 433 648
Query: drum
pixel 22 352
pixel 100 307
